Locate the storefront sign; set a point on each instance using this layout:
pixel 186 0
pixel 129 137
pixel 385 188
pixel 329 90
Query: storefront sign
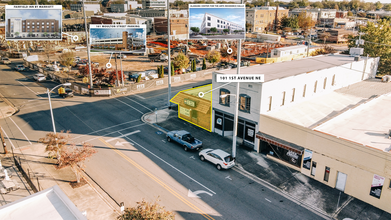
pixel 250 132
pixel 190 102
pixel 293 156
pixel 377 186
pixel 219 121
pixel 307 159
pixel 185 111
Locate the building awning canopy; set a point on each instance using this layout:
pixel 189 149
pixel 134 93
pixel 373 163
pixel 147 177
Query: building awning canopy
pixel 279 142
pixel 201 105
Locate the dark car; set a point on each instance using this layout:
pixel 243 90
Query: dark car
pixel 68 93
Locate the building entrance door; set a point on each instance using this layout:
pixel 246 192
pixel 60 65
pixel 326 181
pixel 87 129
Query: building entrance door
pixel 341 181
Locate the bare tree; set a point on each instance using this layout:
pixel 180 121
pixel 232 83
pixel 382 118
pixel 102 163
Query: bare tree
pixel 74 157
pixel 55 143
pixel 49 50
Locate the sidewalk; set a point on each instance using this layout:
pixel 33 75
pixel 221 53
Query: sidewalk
pixel 311 193
pixel 43 174
pixel 6 108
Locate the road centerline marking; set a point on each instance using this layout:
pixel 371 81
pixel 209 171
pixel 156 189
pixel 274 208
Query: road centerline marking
pixel 191 205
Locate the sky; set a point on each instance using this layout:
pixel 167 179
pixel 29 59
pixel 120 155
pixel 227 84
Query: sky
pixel 103 33
pixel 34 13
pixel 235 15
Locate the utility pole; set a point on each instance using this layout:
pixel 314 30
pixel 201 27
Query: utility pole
pixel 308 43
pixel 169 54
pixel 116 72
pixel 88 49
pixel 122 72
pixel 236 116
pixel 3 141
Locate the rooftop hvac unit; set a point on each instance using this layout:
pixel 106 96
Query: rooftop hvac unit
pixel 354 51
pixel 357 58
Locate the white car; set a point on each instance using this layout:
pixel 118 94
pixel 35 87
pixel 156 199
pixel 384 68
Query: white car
pixel 218 157
pixel 39 77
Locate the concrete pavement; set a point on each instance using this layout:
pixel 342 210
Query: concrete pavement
pixel 264 170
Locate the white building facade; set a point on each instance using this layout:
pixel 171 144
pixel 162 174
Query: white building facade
pixel 210 21
pixel 285 84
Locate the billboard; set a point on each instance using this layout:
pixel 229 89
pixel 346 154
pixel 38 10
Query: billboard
pixel 33 22
pixel 217 21
pixel 118 38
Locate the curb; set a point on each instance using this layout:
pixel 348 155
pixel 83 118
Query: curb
pixel 247 174
pixel 10 104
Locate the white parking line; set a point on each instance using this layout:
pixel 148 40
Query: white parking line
pixel 139 103
pixel 138 96
pixel 106 128
pixel 28 88
pixel 170 165
pixel 268 200
pixel 21 131
pixel 115 132
pixel 13 147
pixel 123 135
pixel 130 106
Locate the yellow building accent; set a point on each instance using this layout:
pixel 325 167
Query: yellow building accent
pixel 280 59
pixel 195 109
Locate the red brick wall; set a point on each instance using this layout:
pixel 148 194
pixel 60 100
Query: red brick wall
pixel 99 20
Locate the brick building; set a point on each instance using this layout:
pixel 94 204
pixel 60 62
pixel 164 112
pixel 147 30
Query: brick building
pixel 178 27
pixel 32 27
pixel 264 18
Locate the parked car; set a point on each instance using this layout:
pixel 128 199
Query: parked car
pixel 185 139
pixel 122 55
pixel 39 77
pixel 20 67
pixel 5 60
pixel 220 158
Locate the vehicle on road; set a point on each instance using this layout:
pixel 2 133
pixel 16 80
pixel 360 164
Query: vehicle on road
pixel 65 93
pixel 5 60
pixel 157 57
pixel 185 139
pixel 121 56
pixel 39 77
pixel 220 158
pixel 20 67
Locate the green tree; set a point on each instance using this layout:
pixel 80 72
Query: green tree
pixel 172 69
pixel 146 210
pixel 181 61
pixel 138 78
pixel 161 71
pixel 291 22
pixel 195 29
pixel 225 31
pixel 377 43
pixel 350 13
pixel 378 5
pixel 213 29
pixel 387 7
pixel 213 56
pixel 203 64
pixel 17 33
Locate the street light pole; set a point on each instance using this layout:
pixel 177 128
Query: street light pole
pixel 88 48
pixel 50 104
pixel 169 54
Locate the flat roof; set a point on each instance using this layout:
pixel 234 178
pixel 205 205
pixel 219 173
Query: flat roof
pixel 51 203
pixel 295 67
pixel 359 113
pixel 368 124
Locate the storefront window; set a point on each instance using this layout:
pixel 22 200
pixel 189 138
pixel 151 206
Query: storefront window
pixel 326 174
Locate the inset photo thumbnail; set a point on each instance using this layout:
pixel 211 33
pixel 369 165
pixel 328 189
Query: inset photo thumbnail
pixel 118 38
pixel 33 22
pixel 217 21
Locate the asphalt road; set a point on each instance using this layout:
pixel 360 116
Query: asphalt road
pixel 134 160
